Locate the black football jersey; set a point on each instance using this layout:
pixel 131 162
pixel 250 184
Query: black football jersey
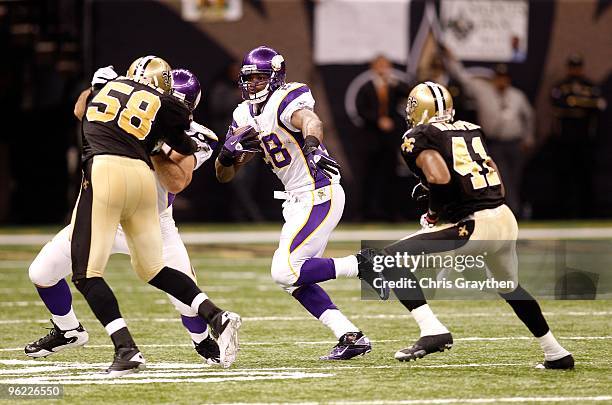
pixel 476 185
pixel 131 119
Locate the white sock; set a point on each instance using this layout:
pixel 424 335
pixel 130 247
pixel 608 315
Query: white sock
pixel 427 321
pixel 346 266
pixel 199 299
pixel 198 337
pixel 115 325
pixel 552 349
pixel 66 322
pixel 337 322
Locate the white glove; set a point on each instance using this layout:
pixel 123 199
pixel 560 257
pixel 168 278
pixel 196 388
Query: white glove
pixel 103 76
pixel 205 139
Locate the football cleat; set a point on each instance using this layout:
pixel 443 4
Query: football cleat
pixel 225 327
pixel 424 346
pixel 57 340
pixel 350 345
pixel 564 363
pixel 127 360
pixel 209 350
pixel 365 263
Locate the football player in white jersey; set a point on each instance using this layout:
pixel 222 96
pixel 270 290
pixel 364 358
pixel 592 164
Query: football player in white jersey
pixel 174 171
pixel 277 118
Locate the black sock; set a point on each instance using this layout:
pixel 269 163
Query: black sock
pixel 177 284
pixel 122 338
pixel 208 309
pixel 100 298
pixel 528 310
pixel 411 298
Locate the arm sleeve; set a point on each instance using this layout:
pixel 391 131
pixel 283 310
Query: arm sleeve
pixel 296 99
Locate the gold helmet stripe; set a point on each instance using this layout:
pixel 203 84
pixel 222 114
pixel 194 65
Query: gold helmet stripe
pixel 142 65
pixel 438 96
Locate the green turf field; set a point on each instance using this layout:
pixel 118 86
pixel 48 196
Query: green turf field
pixel 492 361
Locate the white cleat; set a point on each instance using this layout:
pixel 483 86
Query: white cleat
pixel 225 326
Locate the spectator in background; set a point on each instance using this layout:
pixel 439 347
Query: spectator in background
pixel 576 102
pixel 506 117
pixel 223 97
pixel 380 104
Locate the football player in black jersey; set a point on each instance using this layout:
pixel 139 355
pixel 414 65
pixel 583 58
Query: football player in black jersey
pixel 126 121
pixel 466 213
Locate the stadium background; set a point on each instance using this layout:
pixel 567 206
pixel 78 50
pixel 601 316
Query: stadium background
pixel 52 47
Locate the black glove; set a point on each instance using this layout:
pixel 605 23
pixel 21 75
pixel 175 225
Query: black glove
pixel 420 193
pixel 319 160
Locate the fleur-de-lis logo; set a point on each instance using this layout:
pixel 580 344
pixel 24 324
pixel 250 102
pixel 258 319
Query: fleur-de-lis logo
pixel 411 105
pixel 408 145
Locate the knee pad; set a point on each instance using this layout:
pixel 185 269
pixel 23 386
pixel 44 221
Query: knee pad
pixel 38 276
pixel 282 271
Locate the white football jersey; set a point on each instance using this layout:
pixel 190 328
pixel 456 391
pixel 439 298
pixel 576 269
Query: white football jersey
pixel 282 142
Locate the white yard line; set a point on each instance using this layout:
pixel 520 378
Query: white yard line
pixel 308 318
pixel 247 237
pixel 442 401
pixel 331 342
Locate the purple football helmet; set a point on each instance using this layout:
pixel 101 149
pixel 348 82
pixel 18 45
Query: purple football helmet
pixel 262 60
pixel 186 87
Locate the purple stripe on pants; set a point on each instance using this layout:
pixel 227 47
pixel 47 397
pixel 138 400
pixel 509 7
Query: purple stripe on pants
pixel 316 217
pixel 314 299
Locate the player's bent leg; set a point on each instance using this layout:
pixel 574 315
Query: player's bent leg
pixel 503 265
pixel 175 256
pixel 434 336
pixel 101 204
pixel 529 312
pixel 351 341
pixel 103 303
pixel 47 272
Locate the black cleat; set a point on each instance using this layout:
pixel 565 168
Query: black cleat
pixel 349 345
pixel 127 360
pixel 564 363
pixel 57 340
pixel 365 262
pixel 209 350
pixel 424 346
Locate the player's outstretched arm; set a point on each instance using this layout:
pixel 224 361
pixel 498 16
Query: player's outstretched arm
pixel 173 170
pixel 308 122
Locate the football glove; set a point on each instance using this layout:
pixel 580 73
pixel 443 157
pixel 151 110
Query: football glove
pixel 319 160
pixel 103 76
pixel 428 220
pixel 420 193
pixel 206 141
pixel 237 142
